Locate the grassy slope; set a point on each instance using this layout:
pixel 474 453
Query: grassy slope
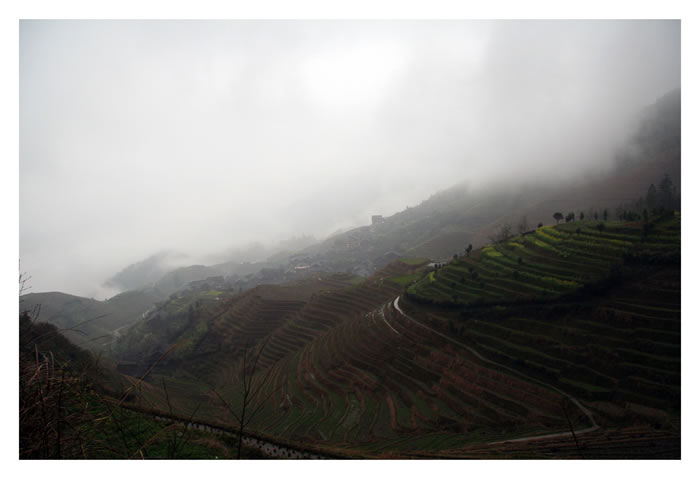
pixel 90 319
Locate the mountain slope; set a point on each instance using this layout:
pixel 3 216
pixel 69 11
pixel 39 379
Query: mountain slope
pixel 348 371
pixel 449 221
pixel 86 321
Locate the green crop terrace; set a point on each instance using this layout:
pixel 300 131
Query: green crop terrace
pixel 513 341
pixel 544 264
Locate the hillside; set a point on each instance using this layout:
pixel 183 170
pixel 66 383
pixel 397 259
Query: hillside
pixel 449 221
pixel 71 407
pixel 596 311
pixel 216 327
pixel 381 383
pixel 165 273
pixel 85 321
pixel 466 214
pixel 143 273
pixel 586 333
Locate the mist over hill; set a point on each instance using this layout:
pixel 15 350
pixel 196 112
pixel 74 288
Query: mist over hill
pixel 146 272
pixel 450 220
pixel 185 138
pixel 439 227
pixel 350 239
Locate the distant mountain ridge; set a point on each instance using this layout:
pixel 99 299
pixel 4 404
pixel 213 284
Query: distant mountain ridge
pixel 145 273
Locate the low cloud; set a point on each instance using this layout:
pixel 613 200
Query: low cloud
pixel 141 136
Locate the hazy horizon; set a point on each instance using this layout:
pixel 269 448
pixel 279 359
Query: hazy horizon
pixel 201 136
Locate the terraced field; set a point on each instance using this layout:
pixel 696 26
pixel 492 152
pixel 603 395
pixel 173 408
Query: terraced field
pixel 291 316
pixel 614 344
pixel 377 383
pixel 542 265
pixel 484 362
pixel 625 347
pixel 634 442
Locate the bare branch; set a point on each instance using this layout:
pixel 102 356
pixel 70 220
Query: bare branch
pixel 146 373
pixel 227 406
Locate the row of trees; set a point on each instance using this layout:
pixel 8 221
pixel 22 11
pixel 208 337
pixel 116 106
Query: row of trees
pixel 666 198
pixel 656 202
pixel 571 216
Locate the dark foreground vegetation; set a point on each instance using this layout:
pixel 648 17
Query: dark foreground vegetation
pixel 71 407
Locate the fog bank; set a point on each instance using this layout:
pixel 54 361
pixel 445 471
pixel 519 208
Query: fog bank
pixel 203 136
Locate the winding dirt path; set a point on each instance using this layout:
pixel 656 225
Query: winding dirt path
pixel 594 426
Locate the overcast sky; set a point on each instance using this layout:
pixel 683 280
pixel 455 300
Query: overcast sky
pixel 196 136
